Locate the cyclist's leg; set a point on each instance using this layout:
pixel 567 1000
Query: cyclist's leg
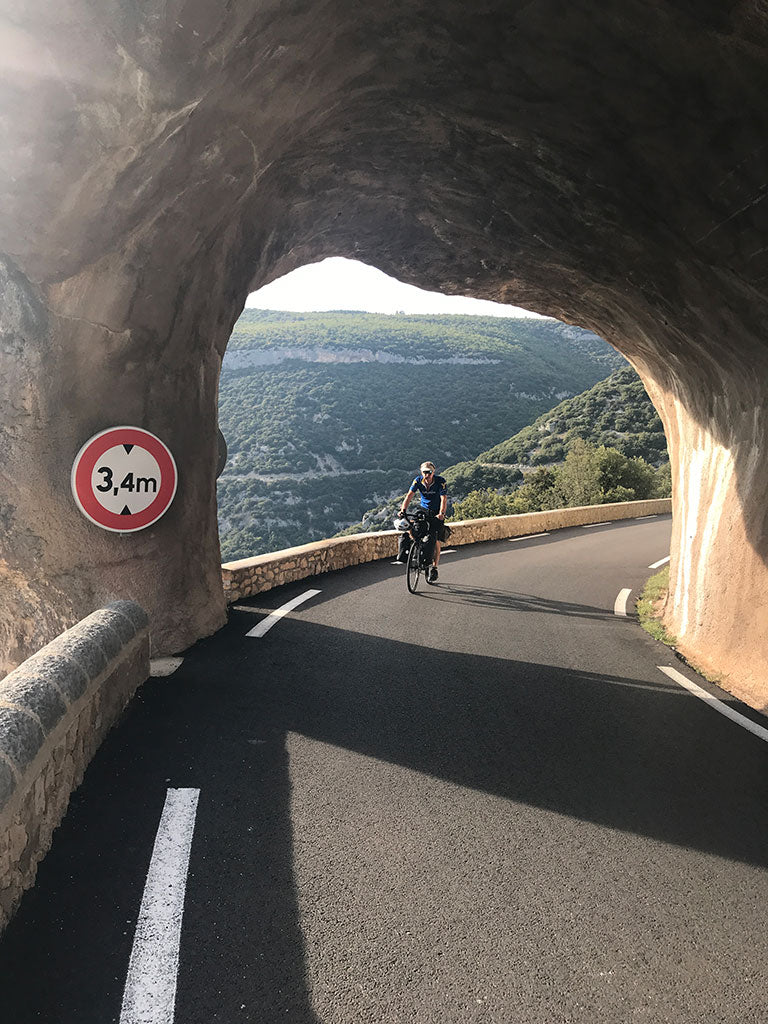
pixel 438 541
pixel 404 545
pixel 429 546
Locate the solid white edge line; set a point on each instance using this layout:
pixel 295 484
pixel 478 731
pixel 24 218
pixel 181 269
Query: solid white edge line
pixel 757 730
pixel 527 536
pixel 267 623
pixel 150 988
pixel 620 604
pixel 660 562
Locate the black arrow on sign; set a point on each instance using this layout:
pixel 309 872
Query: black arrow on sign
pixel 127 448
pixel 126 511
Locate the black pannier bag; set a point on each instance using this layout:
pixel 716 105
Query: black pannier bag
pixel 420 529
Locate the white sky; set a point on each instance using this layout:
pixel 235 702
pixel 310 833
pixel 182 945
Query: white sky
pixel 337 283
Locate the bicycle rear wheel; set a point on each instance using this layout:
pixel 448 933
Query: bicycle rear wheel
pixel 413 569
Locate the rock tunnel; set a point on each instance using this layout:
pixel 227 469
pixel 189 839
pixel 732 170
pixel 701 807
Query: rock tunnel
pixel 604 164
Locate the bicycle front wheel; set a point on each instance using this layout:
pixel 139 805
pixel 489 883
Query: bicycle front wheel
pixel 412 571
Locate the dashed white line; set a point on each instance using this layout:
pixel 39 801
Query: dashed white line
pixel 657 565
pixel 164 666
pixel 647 517
pixel 267 623
pixel 527 536
pixel 589 526
pixel 150 988
pixel 715 704
pixel 620 604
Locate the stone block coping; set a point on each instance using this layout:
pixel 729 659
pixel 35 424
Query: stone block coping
pixel 55 709
pixel 248 576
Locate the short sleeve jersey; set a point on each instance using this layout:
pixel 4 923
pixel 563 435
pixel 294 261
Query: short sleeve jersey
pixel 430 495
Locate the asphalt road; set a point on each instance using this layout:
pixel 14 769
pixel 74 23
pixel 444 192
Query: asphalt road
pixel 483 802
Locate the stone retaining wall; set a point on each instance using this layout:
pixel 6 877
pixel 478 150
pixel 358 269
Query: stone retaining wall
pixel 252 575
pixel 55 709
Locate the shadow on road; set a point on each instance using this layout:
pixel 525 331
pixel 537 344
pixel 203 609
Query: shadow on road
pixel 620 752
pixel 488 597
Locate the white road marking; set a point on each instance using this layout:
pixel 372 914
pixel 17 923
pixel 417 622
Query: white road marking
pixel 247 608
pixel 620 604
pixel 660 562
pixel 164 666
pixel 150 988
pixel 589 526
pixel 447 551
pixel 647 517
pixel 717 705
pixel 266 624
pixel 527 536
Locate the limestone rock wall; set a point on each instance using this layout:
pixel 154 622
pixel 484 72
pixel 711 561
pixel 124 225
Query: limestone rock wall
pixel 603 163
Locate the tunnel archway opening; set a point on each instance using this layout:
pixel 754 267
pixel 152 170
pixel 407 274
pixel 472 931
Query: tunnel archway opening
pixel 339 381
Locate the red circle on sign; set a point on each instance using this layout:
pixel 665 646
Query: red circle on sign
pixel 82 479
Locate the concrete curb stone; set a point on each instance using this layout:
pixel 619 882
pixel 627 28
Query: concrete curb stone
pixel 34 691
pixel 21 736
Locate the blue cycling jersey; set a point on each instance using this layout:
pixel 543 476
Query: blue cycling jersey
pixel 430 496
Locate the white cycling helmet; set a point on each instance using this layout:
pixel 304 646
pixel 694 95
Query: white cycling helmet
pixel 402 525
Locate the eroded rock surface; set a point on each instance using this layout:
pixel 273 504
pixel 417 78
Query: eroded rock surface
pixel 601 163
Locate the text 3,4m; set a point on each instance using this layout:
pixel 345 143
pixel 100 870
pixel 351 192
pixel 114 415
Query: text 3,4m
pixel 128 483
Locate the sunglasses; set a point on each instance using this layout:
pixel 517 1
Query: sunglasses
pixel 427 472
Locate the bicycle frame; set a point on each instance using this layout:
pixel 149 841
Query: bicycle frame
pixel 416 555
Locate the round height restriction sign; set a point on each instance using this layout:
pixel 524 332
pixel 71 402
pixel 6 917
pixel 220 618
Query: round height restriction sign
pixel 124 479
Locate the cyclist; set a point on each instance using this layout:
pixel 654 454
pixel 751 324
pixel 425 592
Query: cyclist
pixel 434 498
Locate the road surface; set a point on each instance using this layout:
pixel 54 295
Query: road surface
pixel 484 802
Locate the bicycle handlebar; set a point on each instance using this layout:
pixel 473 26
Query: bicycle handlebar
pixel 419 513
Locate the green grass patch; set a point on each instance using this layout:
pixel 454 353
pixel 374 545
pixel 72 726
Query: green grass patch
pixel 649 611
pixel 651 605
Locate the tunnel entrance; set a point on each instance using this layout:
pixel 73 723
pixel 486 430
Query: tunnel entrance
pixel 339 382
pixel 604 168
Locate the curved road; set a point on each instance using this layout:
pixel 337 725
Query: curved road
pixel 484 803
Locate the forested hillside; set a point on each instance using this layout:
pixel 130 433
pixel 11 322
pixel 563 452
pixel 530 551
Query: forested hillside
pixel 615 414
pixel 328 414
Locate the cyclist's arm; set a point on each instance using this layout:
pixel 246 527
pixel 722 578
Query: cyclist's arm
pixel 406 501
pixel 443 501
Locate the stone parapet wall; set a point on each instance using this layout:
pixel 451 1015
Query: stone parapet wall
pixel 250 576
pixel 55 709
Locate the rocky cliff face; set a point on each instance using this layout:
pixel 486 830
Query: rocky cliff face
pixel 605 164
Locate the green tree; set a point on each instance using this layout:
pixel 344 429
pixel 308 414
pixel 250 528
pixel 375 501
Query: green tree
pixel 481 503
pixel 578 480
pixel 663 481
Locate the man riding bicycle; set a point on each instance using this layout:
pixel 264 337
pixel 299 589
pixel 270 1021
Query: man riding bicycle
pixel 434 498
